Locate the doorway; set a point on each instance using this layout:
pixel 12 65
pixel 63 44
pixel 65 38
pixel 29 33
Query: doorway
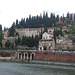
pixel 45 47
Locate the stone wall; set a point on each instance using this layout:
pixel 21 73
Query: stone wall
pixel 6 54
pixel 65 57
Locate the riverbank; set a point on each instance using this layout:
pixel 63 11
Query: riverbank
pixel 39 62
pixel 52 62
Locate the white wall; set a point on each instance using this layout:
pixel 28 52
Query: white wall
pixel 47 36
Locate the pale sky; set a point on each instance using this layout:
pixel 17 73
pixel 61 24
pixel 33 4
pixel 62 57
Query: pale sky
pixel 10 10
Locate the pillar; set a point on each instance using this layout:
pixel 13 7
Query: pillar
pixel 30 56
pixel 18 55
pixel 27 56
pixel 24 56
pixel 21 56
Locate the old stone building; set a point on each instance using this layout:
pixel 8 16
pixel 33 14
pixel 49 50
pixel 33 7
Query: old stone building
pixel 66 44
pixel 32 31
pixel 5 34
pixel 47 42
pixel 50 30
pixel 29 32
pixel 11 39
pixel 59 39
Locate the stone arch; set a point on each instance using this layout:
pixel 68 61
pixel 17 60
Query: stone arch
pixel 32 56
pixel 26 56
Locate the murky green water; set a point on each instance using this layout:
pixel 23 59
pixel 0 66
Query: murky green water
pixel 8 68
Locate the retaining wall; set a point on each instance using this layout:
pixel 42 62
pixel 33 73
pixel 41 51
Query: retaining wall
pixel 67 57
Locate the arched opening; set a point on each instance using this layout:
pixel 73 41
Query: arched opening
pixel 20 56
pixel 28 56
pixel 32 56
pixel 45 47
pixel 25 56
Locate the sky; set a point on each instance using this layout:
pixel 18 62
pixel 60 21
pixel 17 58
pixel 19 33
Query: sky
pixel 10 10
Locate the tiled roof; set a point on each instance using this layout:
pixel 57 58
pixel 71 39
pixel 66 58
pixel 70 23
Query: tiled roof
pixel 45 39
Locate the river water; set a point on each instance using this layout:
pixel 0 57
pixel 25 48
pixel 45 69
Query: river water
pixel 10 68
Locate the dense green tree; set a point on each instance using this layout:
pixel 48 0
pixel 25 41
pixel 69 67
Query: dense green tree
pixel 23 40
pixel 28 41
pixel 33 41
pixel 68 15
pixel 45 29
pixel 55 35
pixel 68 21
pixel 12 30
pixel 71 17
pixel 19 41
pixel 74 17
pixel 57 18
pixel 5 28
pixel 16 42
pixel 17 23
pixel 59 32
pixel 1 35
pixel 59 25
pixel 7 44
pixel 52 20
pixel 36 40
pixel 12 44
pixel 63 18
pixel 0 39
pixel 0 27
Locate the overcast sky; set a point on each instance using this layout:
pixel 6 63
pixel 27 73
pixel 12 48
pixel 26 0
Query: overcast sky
pixel 10 10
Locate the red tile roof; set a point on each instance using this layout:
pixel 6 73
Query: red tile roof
pixel 45 39
pixel 59 22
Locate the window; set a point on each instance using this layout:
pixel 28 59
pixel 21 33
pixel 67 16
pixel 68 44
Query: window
pixel 49 31
pixel 49 36
pixel 40 48
pixel 49 47
pixel 58 40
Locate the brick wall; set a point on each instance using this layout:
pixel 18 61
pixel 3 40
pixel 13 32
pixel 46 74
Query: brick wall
pixel 67 57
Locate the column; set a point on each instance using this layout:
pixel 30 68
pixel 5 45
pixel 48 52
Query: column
pixel 30 56
pixel 21 56
pixel 27 56
pixel 24 56
pixel 18 55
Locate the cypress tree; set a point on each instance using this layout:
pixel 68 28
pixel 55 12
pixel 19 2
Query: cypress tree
pixel 63 18
pixel 68 15
pixel 1 35
pixel 55 35
pixel 74 17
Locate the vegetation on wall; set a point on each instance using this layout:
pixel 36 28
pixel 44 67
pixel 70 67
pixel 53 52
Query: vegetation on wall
pixel 9 44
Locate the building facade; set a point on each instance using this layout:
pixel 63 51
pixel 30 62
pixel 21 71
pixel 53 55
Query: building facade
pixel 72 15
pixel 66 44
pixel 29 32
pixel 6 34
pixel 11 39
pixel 47 42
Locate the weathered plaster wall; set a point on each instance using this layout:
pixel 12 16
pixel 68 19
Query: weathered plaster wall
pixel 67 57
